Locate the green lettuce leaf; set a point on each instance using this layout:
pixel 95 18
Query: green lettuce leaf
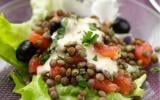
pixel 35 90
pixel 18 82
pixel 71 93
pixel 139 82
pixel 11 35
pixel 116 96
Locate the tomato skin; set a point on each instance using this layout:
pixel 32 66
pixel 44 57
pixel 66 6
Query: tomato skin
pixel 125 83
pixel 77 59
pixel 107 51
pixel 42 42
pixel 139 53
pixel 33 64
pixel 55 70
pixel 105 85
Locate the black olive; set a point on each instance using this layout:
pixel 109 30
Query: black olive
pixel 121 26
pixel 54 26
pixel 25 51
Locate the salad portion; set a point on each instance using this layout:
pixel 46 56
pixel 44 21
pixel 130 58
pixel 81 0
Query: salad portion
pixel 69 51
pixel 64 56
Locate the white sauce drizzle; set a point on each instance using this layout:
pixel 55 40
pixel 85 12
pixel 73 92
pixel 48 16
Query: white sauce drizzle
pixel 75 31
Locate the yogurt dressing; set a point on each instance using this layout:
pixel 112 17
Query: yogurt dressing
pixel 75 30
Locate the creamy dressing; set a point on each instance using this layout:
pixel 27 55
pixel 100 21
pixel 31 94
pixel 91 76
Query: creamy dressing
pixel 102 63
pixel 75 30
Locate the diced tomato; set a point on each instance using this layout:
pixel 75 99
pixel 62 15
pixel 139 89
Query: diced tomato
pixel 144 52
pixel 77 59
pixel 33 64
pixel 105 85
pixel 39 40
pixel 55 70
pixel 107 51
pixel 125 84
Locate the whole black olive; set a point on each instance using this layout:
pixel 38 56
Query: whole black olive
pixel 121 26
pixel 25 51
pixel 54 26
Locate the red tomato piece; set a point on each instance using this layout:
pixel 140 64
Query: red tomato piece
pixel 37 39
pixel 55 70
pixel 107 51
pixel 144 52
pixel 105 85
pixel 77 59
pixel 33 64
pixel 125 84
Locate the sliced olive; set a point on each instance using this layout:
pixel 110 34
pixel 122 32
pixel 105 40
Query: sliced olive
pixel 121 26
pixel 25 51
pixel 54 26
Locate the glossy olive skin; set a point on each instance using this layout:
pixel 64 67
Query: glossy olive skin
pixel 121 26
pixel 25 51
pixel 54 26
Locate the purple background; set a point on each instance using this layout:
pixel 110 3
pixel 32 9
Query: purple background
pixel 2 2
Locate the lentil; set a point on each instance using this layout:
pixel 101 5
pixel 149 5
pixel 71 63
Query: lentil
pixel 50 82
pixel 64 80
pixel 81 64
pixel 90 65
pixel 101 93
pixel 90 72
pixel 54 95
pixel 71 51
pixel 57 78
pixel 82 53
pixel 63 71
pixel 52 89
pixel 154 58
pixel 100 76
pixel 91 83
pixel 68 72
pixel 68 59
pixel 129 48
pixel 73 81
pixel 75 72
pixel 61 62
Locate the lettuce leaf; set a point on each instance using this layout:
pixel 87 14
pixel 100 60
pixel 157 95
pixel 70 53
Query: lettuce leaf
pixel 37 90
pixel 18 82
pixel 116 96
pixel 71 93
pixel 11 35
pixel 139 82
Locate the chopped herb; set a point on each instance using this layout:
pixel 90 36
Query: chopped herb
pixel 82 83
pixel 60 57
pixel 155 70
pixel 60 33
pixel 89 38
pixel 95 58
pixel 93 26
pixel 53 45
pixel 78 17
pixel 64 22
pixel 44 57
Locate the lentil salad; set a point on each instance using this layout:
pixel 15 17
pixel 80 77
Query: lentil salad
pixel 90 56
pixel 72 57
